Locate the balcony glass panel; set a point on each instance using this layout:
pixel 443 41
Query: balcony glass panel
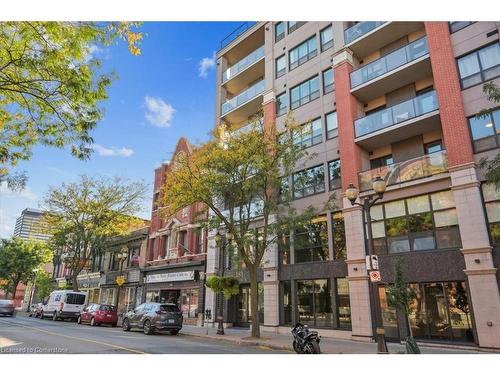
pixel 243 64
pixel 361 28
pixel 389 62
pixel 401 112
pixel 413 169
pixel 243 97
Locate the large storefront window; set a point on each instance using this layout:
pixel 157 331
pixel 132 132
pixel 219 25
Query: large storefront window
pixel 440 311
pixel 424 222
pixel 244 314
pixel 314 303
pixel 343 304
pixel 189 303
pixel 311 241
pixel 491 197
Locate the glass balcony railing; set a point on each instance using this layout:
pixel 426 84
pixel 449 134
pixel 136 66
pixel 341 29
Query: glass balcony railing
pixel 243 64
pixel 358 30
pixel 407 110
pixel 389 62
pixel 243 97
pixel 413 169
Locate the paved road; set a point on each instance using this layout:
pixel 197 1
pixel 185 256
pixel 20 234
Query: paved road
pixel 22 334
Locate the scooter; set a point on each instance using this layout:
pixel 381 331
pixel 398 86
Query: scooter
pixel 304 340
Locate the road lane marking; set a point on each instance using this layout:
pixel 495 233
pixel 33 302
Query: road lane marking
pixel 78 338
pixel 5 342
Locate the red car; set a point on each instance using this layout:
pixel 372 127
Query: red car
pixel 97 314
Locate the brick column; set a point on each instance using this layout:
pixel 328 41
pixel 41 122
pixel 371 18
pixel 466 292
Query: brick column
pixel 451 111
pixel 479 267
pixel 350 162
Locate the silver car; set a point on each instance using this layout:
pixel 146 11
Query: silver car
pixel 7 307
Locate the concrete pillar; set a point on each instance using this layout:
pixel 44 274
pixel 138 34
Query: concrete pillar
pixel 479 267
pixel 359 287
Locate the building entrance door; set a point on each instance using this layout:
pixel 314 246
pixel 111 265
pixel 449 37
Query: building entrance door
pixel 170 296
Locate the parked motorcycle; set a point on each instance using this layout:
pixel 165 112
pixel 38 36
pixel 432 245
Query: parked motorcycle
pixel 304 340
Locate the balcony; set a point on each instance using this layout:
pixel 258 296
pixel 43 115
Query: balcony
pixel 243 64
pixel 396 69
pixel 247 100
pixel 403 120
pixel 366 37
pixel 359 29
pixel 409 170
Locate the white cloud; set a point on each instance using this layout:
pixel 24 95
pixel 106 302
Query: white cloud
pixel 206 64
pixel 158 113
pixel 26 193
pixel 113 151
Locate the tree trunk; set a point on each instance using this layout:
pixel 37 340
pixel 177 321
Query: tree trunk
pixel 407 315
pixel 74 281
pixel 14 290
pixel 254 301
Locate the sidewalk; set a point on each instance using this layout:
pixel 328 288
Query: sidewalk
pixel 241 336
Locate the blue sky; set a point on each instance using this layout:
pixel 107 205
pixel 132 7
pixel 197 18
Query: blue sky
pixel 159 96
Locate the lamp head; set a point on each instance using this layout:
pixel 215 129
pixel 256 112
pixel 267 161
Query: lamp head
pixel 379 186
pixel 352 193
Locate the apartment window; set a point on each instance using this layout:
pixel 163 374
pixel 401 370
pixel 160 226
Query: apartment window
pixel 294 25
pixel 480 66
pixel 326 38
pixel 331 125
pixel 381 162
pixel 491 197
pixel 303 53
pixel 284 190
pixel 432 147
pixel 328 81
pixel 280 66
pixel 314 303
pixel 343 303
pixel 281 104
pixel 334 174
pixel 308 182
pixel 339 247
pixel 485 131
pixel 310 134
pixel 279 31
pixel 423 222
pixel 310 242
pixel 459 25
pixel 304 93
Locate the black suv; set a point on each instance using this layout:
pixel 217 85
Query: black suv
pixel 154 316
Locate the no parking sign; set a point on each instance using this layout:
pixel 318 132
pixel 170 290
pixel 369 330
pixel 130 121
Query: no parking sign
pixel 375 276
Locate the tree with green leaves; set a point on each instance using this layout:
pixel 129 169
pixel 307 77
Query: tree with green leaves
pixel 51 86
pixel 239 176
pixel 227 285
pixel 491 166
pixel 82 216
pixel 400 296
pixel 18 260
pixel 44 284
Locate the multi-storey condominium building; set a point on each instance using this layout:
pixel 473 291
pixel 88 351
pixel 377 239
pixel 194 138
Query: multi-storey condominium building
pixel 391 99
pixel 29 225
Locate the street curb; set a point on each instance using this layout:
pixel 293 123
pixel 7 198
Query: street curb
pixel 243 342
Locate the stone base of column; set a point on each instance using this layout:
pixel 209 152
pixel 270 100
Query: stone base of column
pixel 271 298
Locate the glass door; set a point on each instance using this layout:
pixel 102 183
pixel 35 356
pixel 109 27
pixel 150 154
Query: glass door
pixel 437 312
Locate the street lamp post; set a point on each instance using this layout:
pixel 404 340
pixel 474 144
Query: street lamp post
pixel 352 193
pixel 221 243
pixel 122 256
pixel 32 294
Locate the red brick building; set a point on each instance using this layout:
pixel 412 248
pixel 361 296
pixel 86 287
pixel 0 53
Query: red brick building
pixel 176 255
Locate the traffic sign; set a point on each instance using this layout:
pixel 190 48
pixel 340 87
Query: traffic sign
pixel 372 262
pixel 375 276
pixel 120 280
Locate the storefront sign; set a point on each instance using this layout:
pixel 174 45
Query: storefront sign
pixel 173 276
pixel 134 276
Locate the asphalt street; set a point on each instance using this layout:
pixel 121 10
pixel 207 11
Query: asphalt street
pixel 21 334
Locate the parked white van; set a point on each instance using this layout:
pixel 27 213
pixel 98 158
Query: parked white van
pixel 63 304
